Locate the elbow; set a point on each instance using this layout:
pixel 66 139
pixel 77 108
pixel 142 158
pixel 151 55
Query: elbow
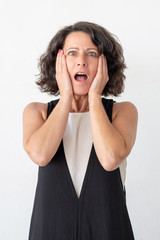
pixel 109 166
pixel 110 160
pixel 37 157
pixel 41 161
pixel 110 163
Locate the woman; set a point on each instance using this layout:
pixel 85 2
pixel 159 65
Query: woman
pixel 81 140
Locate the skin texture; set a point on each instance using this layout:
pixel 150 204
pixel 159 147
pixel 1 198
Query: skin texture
pixel 112 141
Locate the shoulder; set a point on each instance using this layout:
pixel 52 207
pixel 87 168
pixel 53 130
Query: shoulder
pixel 124 108
pixel 36 107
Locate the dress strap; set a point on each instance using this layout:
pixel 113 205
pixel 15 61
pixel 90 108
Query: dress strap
pixel 51 106
pixel 107 103
pixel 108 106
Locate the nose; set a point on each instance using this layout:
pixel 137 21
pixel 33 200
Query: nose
pixel 81 64
pixel 81 61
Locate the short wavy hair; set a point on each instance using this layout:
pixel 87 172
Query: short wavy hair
pixel 107 43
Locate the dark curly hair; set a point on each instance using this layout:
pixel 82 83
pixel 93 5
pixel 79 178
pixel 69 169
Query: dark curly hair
pixel 107 44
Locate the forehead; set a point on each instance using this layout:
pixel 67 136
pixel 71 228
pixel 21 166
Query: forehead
pixel 78 39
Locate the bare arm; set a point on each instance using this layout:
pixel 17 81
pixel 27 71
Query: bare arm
pixel 41 136
pixel 113 141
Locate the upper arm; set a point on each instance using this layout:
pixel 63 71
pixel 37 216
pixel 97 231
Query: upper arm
pixel 34 116
pixel 124 119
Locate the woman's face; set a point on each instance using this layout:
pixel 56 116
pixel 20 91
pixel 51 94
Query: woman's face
pixel 82 61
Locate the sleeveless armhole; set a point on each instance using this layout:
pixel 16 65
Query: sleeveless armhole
pixel 99 213
pixel 51 106
pixel 108 105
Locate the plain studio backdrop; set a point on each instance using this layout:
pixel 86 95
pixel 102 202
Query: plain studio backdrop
pixel 26 29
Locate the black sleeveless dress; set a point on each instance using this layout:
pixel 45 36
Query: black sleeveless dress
pixel 100 212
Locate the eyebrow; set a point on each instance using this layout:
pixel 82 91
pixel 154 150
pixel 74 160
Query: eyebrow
pixel 86 48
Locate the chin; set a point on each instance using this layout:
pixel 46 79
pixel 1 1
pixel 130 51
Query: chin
pixel 80 92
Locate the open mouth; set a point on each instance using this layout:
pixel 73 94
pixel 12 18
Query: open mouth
pixel 80 77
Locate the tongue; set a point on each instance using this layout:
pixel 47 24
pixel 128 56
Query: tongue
pixel 81 78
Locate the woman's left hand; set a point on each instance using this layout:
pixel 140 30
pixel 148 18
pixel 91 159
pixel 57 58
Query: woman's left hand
pixel 101 77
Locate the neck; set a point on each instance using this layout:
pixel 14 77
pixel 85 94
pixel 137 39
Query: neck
pixel 80 103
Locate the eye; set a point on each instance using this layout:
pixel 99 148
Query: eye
pixel 92 54
pixel 71 53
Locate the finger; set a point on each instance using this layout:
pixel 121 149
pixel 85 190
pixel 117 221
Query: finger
pixel 64 64
pixel 100 65
pixel 104 65
pixel 58 62
pixel 105 68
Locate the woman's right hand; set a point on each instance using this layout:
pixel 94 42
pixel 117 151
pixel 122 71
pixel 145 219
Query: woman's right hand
pixel 62 75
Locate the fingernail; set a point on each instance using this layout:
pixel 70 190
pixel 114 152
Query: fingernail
pixel 59 50
pixel 102 55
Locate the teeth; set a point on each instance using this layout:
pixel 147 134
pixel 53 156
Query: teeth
pixel 81 73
